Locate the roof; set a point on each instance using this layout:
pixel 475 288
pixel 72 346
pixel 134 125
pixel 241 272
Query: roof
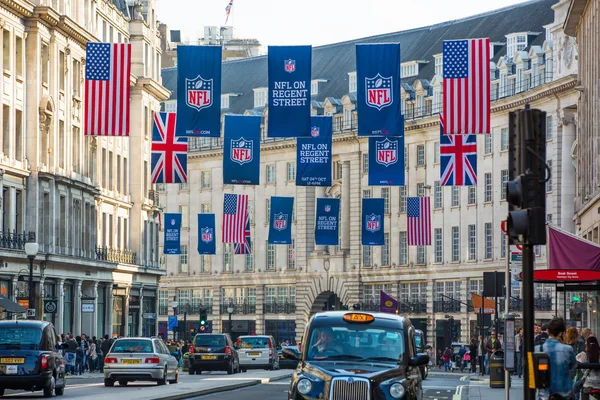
pixel 25 323
pixel 381 319
pixel 333 62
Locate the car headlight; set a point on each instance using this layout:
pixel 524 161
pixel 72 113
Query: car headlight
pixel 397 390
pixel 304 386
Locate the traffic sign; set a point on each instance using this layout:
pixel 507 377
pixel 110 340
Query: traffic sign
pixel 202 328
pixel 149 316
pixel 50 306
pixel 31 312
pixel 503 226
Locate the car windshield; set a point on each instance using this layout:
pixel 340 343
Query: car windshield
pixel 356 342
pixel 253 343
pixel 20 336
pixel 210 341
pixel 132 346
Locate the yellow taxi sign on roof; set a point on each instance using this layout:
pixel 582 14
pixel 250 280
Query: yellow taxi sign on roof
pixel 358 317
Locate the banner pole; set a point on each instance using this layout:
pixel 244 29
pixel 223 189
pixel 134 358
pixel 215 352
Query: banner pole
pixel 528 316
pixel 507 292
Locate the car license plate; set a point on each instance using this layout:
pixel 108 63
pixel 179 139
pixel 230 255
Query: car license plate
pixel 254 354
pixel 12 360
pixel 131 361
pixel 208 357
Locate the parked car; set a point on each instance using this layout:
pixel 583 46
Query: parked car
pixel 257 352
pixel 358 355
pixel 285 362
pixel 30 358
pixel 213 352
pixel 140 359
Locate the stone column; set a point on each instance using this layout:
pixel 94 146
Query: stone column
pixel 39 304
pixel 15 287
pixel 156 312
pixel 319 193
pixel 345 205
pixel 110 299
pixel 126 312
pixel 260 316
pixel 12 206
pixel 95 315
pixel 60 293
pixel 566 173
pixel 140 314
pixel 77 307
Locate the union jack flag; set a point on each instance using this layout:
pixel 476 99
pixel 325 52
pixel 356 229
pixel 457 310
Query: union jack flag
pixel 246 247
pixel 458 159
pixel 169 153
pixel 228 10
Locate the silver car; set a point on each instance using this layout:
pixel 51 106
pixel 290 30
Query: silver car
pixel 140 359
pixel 257 352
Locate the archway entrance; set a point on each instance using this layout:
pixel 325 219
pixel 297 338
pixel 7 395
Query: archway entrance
pixel 327 301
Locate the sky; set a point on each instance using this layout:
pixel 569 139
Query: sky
pixel 315 22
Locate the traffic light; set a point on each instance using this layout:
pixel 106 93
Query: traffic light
pixel 525 190
pixel 203 317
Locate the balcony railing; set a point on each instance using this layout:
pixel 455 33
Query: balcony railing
pixel 279 308
pixel 369 306
pixel 193 309
pixel 116 255
pixel 239 308
pixel 13 240
pixel 446 306
pixel 539 304
pixel 413 307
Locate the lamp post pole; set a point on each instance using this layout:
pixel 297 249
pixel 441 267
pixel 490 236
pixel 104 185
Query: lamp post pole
pixel 31 249
pixel 230 311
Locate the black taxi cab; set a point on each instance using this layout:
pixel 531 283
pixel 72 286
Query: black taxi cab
pixel 357 355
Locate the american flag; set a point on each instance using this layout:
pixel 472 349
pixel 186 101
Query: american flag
pixel 235 215
pixel 246 247
pixel 107 72
pixel 418 214
pixel 467 86
pixel 228 10
pixel 169 153
pixel 458 159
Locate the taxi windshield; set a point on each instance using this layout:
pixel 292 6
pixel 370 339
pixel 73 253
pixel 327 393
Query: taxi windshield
pixel 356 343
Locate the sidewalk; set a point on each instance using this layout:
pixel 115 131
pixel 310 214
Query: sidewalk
pixel 479 389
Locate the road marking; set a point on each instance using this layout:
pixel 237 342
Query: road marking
pixel 458 394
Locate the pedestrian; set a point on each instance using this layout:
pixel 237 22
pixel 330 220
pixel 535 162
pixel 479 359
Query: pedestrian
pixel 542 336
pixel 481 354
pixel 93 356
pixel 447 359
pixel 518 352
pixel 491 346
pixel 591 354
pixel 562 359
pixel 79 354
pixel 474 355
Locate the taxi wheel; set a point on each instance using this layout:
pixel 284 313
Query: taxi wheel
pixel 49 390
pixel 59 391
pixel 109 382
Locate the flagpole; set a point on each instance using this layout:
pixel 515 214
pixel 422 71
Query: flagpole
pixel 507 290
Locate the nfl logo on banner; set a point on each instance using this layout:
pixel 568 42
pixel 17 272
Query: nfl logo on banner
pixel 314 131
pixel 280 222
pixel 327 208
pixel 379 91
pixel 199 92
pixel 290 66
pixel 172 222
pixel 207 235
pixel 241 151
pixel 373 222
pixel 387 152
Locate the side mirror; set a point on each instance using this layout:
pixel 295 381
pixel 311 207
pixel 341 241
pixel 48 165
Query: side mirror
pixel 418 360
pixel 292 354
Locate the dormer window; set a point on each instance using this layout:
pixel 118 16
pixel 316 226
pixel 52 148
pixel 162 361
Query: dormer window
pixel 314 86
pixel 515 42
pixel 224 101
pixel 439 64
pixel 352 82
pixel 409 69
pixel 260 97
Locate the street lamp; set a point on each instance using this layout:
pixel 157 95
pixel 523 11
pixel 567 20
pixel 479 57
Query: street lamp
pixel 230 311
pixel 31 249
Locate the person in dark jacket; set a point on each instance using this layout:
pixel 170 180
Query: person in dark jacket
pixel 541 338
pixel 474 355
pixel 106 345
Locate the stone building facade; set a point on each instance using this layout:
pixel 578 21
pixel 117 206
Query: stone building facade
pixel 277 288
pixel 88 200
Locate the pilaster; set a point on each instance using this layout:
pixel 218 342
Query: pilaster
pixel 60 292
pixel 77 307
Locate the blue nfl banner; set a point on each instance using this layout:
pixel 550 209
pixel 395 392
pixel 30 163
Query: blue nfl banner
pixel 280 217
pixel 378 90
pixel 172 244
pixel 313 154
pixel 327 223
pixel 206 234
pixel 199 91
pixel 372 222
pixel 386 161
pixel 289 91
pixel 241 150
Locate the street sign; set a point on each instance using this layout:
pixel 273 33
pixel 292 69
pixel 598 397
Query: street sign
pixel 202 328
pixel 149 316
pixel 50 306
pixel 174 304
pixel 30 312
pixel 87 307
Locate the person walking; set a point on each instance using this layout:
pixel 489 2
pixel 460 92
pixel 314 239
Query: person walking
pixel 481 355
pixel 474 355
pixel 518 353
pixel 562 359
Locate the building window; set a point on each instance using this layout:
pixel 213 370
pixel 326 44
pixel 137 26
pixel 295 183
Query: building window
pixel 314 88
pixel 291 259
pixel 260 97
pixel 502 246
pixel 291 172
pixel 436 152
pixel 385 193
pixel 437 195
pixel 366 194
pixel 403 249
pixel 365 163
pixel 504 139
pixel 402 199
pixel 385 250
pixel 185 218
pixel 205 208
pixel 488 187
pixel 420 155
pixel 420 189
pixel 549 218
pixel 268 210
pixel 205 263
pixel 227 257
pixel 487 149
pixel 224 101
pixel 270 256
pixel 351 82
pixel 249 262
pixel 163 302
pixel 367 256
pixel 183 187
pixel 488 241
pixel 503 180
pixel 472 232
pixel 205 179
pixel 420 255
pixel 270 173
pixel 455 244
pixel 472 198
pixel 406 149
pixel 439 247
pixel 439 64
pixel 549 183
pixel 549 127
pixel 455 196
pixel 183 259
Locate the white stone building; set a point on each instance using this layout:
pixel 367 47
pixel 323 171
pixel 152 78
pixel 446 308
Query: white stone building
pixel 277 288
pixel 88 201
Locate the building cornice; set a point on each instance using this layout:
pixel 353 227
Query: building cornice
pixel 10 170
pixel 157 90
pixel 113 201
pixel 576 10
pixel 49 17
pixel 22 8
